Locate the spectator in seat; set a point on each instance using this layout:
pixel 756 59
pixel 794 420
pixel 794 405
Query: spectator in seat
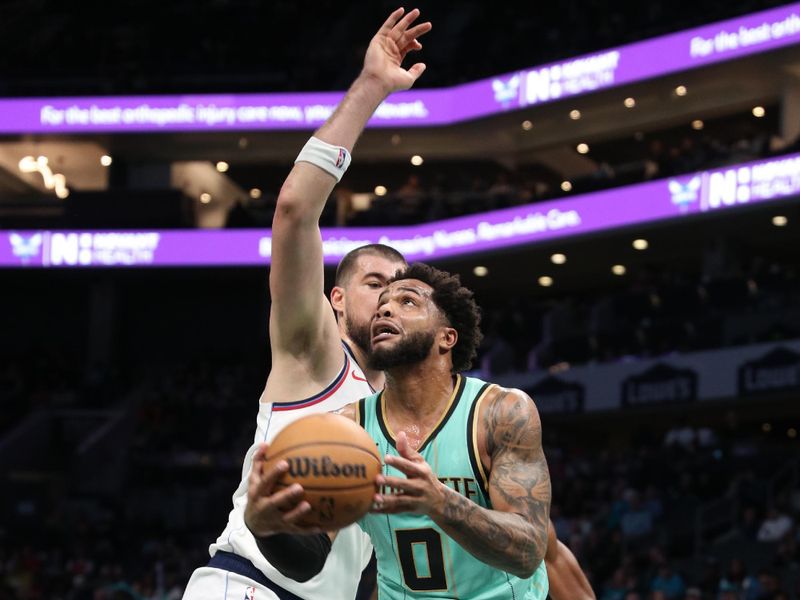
pixel 770 585
pixel 669 583
pixel 693 593
pixel 616 588
pixel 775 526
pixel 501 191
pixel 409 200
pixel 749 525
pixel 683 435
pixel 737 580
pixel 637 521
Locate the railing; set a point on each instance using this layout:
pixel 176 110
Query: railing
pixel 24 442
pixel 99 462
pixel 49 439
pixel 722 514
pixel 785 478
pixel 715 516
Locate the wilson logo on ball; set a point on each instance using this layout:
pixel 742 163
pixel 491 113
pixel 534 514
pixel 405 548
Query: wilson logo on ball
pixel 302 466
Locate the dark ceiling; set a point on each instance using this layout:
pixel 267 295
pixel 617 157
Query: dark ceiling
pixel 85 48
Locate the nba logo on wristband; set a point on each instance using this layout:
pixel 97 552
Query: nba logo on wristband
pixel 331 159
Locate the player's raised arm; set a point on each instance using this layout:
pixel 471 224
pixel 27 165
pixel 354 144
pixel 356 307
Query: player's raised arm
pixel 301 322
pixel 512 536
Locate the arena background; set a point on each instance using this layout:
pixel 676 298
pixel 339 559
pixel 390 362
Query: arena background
pixel 640 279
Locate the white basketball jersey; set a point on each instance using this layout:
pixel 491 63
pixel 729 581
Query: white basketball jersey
pixel 351 549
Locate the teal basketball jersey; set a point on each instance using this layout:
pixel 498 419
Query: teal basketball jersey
pixel 416 559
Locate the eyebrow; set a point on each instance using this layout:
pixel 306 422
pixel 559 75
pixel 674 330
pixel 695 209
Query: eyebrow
pixel 410 289
pixel 403 289
pixel 376 275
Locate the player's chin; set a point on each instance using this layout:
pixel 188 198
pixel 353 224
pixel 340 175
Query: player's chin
pixel 379 342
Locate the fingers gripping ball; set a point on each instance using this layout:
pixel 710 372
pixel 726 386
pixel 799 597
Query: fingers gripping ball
pixel 335 461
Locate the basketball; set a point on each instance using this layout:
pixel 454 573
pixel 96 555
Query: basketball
pixel 335 461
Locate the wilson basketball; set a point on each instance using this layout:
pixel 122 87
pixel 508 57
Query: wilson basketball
pixel 335 461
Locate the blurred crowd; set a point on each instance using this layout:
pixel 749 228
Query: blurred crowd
pixel 629 515
pixel 140 538
pixel 441 190
pixel 627 510
pixel 48 379
pixel 733 301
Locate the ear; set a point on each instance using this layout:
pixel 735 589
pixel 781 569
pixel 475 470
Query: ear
pixel 448 338
pixel 337 299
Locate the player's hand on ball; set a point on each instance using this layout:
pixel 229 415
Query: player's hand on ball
pixel 387 50
pixel 419 492
pixel 268 513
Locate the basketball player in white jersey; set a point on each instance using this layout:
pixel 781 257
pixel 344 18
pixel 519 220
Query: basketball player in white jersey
pixel 318 346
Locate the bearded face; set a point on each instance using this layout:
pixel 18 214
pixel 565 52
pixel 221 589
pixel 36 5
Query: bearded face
pixel 411 349
pixel 358 331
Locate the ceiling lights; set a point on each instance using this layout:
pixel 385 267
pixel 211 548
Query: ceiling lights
pixel 52 181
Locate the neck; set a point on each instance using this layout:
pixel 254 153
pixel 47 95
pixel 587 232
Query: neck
pixel 375 378
pixel 419 391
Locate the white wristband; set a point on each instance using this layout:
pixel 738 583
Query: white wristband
pixel 329 158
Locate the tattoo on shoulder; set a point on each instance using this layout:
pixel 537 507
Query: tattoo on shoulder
pixel 512 535
pixel 512 422
pixel 519 476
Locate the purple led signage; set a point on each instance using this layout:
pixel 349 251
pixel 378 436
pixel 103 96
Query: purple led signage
pixel 677 197
pixel 672 53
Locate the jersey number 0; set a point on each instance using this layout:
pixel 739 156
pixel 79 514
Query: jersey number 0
pixel 417 547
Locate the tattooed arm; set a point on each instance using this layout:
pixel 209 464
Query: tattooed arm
pixel 512 536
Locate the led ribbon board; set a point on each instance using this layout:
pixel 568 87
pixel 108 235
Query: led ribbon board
pixel 722 41
pixel 673 198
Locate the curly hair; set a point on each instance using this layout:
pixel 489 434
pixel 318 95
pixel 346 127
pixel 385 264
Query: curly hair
pixel 459 308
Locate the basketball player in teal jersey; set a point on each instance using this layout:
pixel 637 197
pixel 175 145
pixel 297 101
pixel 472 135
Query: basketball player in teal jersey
pixel 463 510
pixel 465 495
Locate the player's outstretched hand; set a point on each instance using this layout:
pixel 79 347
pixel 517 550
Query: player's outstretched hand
pixel 419 492
pixel 387 50
pixel 268 513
